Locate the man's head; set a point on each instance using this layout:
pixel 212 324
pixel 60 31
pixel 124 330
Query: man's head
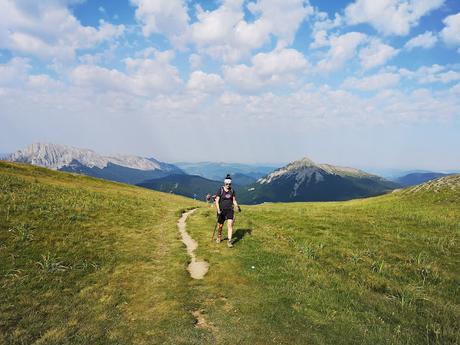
pixel 228 181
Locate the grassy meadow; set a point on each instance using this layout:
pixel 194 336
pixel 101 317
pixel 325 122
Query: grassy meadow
pixel 86 261
pixel 383 270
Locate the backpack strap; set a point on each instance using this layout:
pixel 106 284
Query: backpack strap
pixel 221 193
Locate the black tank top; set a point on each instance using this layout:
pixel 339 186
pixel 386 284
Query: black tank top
pixel 225 198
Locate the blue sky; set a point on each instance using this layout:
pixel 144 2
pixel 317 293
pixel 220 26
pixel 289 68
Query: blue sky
pixel 367 83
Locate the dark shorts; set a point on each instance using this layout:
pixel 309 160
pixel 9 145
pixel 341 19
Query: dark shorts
pixel 224 215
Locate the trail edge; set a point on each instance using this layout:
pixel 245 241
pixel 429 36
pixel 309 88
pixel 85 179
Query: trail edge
pixel 196 268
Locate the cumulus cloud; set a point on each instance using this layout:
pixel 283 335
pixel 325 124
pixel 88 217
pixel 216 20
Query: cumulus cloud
pixel 48 30
pixel 143 76
pixel 14 72
pixel 451 32
pixel 372 83
pixel 279 67
pixel 167 17
pixel 195 61
pixel 342 49
pixel 431 74
pixel 376 54
pixel 205 82
pixel 224 33
pixel 17 74
pixel 320 39
pixel 213 27
pixel 282 17
pixel 322 24
pixel 326 106
pixel 426 40
pixel 390 17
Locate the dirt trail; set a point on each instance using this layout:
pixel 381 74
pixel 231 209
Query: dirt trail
pixel 196 268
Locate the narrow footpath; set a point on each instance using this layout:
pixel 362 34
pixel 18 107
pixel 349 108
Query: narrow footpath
pixel 196 268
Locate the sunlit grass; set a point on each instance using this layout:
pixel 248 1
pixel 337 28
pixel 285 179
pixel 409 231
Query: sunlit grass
pixel 86 261
pixel 384 270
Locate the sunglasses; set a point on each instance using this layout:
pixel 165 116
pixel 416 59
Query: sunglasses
pixel 228 184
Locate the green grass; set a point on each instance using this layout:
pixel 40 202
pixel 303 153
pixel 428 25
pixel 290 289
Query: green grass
pixel 86 261
pixel 384 270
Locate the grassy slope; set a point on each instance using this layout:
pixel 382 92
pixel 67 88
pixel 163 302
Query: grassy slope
pixel 86 261
pixel 384 270
pixel 89 261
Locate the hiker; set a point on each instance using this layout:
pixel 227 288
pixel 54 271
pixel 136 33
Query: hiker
pixel 225 200
pixel 208 198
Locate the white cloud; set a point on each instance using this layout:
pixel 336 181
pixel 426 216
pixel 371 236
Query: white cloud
pixel 144 76
pixel 431 74
pixel 205 82
pixel 390 17
pixel 342 49
pixel 195 61
pixel 44 84
pixel 100 78
pixel 426 40
pixel 167 17
pixel 224 33
pixel 213 27
pixel 323 22
pixel 455 88
pixel 320 39
pixel 321 25
pixel 283 17
pixel 14 72
pixel 451 32
pixel 279 67
pixel 48 30
pixel 373 83
pixel 376 54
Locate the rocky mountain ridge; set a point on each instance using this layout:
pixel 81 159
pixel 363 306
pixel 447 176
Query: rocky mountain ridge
pixel 56 156
pixel 122 168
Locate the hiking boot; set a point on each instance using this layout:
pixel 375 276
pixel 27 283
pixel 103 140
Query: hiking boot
pixel 230 244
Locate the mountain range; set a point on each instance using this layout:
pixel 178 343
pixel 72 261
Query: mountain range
pixel 246 173
pixel 121 168
pixel 302 180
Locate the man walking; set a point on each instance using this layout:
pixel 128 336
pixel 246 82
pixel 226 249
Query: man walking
pixel 225 200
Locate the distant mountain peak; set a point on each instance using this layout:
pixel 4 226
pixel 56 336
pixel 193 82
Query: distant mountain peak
pixel 305 167
pixel 306 180
pixel 305 162
pixel 56 156
pixel 290 169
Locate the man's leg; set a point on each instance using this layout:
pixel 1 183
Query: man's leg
pixel 230 230
pixel 219 232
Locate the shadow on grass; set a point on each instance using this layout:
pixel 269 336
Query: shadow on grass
pixel 240 233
